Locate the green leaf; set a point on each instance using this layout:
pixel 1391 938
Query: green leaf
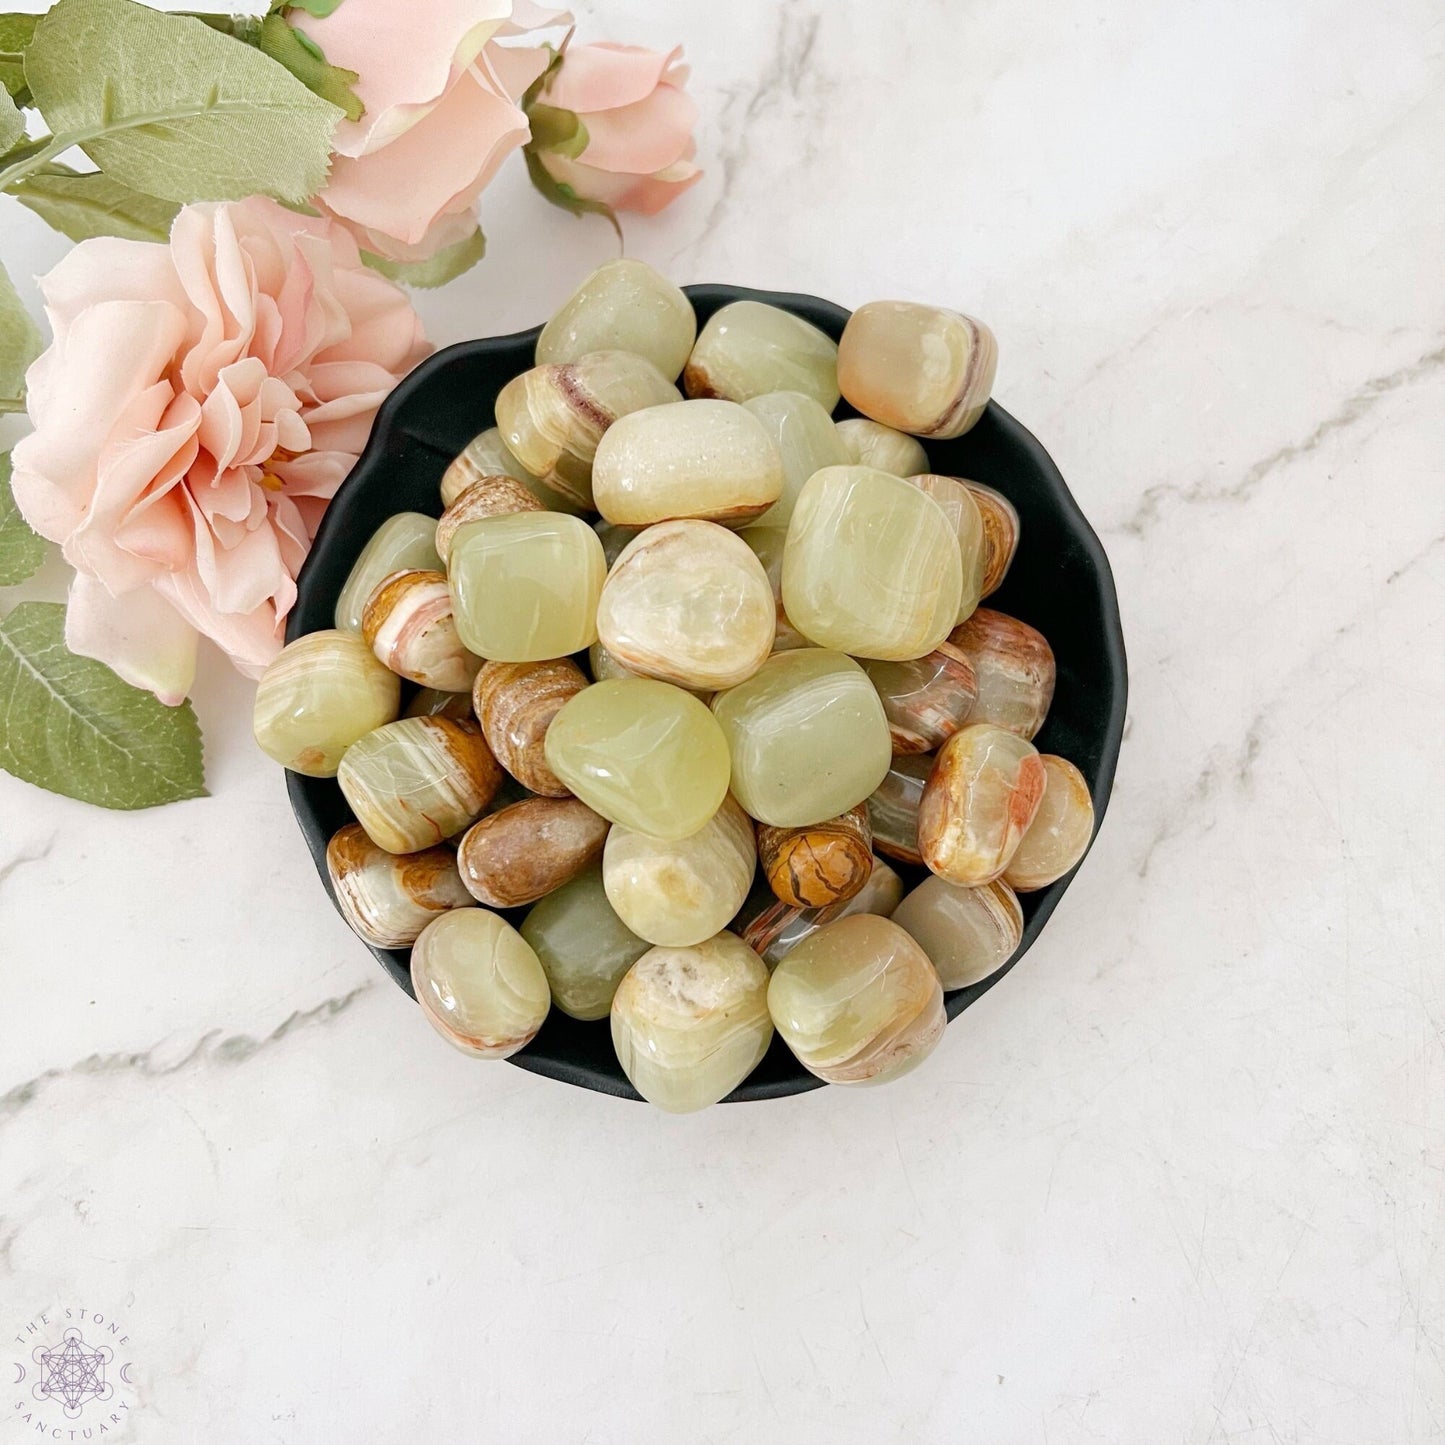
pixel 73 727
pixel 21 551
pixel 19 344
pixel 303 58
pixel 12 123
pixel 170 107
pixel 436 270
pixel 561 194
pixel 15 33
pixel 319 8
pixel 81 205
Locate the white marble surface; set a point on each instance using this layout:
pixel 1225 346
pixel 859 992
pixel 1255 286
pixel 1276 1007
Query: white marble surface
pixel 1179 1178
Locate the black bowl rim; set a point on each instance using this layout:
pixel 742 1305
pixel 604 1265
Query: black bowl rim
pixel 832 317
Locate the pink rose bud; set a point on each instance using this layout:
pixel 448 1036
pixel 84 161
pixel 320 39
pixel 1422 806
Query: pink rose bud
pixel 612 127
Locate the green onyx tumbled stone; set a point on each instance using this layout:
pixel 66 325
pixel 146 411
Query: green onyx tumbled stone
pixel 871 444
pixel 642 753
pixel 704 459
pixel 320 694
pixel 919 369
pixel 872 566
pixel 414 783
pixel 690 1024
pixel 749 349
pixel 624 305
pixel 858 1002
pixel 808 737
pixel 403 543
pixel 486 455
pixel 807 439
pixel 525 586
pixel 479 984
pixel 584 946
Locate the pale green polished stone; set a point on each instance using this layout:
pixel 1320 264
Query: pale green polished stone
pixel 807 440
pixel 690 1024
pixel 706 459
pixel 858 1002
pixel 479 984
pixel 320 694
pixel 872 565
pixel 642 753
pixel 871 444
pixel 584 946
pixel 525 586
pixel 808 737
pixel 681 892
pixel 919 369
pixel 624 305
pixel 402 543
pixel 749 349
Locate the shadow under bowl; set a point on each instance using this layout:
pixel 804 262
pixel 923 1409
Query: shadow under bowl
pixel 1060 582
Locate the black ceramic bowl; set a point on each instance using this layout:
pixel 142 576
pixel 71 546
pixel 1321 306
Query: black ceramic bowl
pixel 1060 582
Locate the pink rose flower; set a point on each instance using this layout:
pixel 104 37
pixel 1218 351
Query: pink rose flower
pixel 441 114
pixel 638 123
pixel 199 406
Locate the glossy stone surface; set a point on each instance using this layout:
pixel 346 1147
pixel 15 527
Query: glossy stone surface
pixel 967 522
pixel 642 753
pixel 748 349
pixel 1000 533
pixel 415 782
pixel 479 984
pixel 968 933
pixel 807 736
pixel 871 444
pixel 403 541
pixel 871 566
pixel 681 892
pixel 583 945
pixel 408 625
pixel 320 694
pixel 822 864
pixel 768 545
pixel 858 1002
pixel 552 417
pixel 515 703
pixel 774 928
pixel 486 455
pixel 516 856
pixel 919 369
pixel 984 790
pixel 493 496
pixel 806 440
pixel 1013 666
pixel 893 807
pixel 388 898
pixel 927 699
pixel 525 586
pixel 1060 832
pixel 708 459
pixel 690 1024
pixel 624 305
pixel 689 603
